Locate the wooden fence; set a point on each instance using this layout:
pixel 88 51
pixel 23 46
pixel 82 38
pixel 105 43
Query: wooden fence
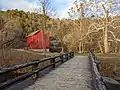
pixel 101 82
pixel 35 63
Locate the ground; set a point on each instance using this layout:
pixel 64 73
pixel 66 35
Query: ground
pixel 110 64
pixel 18 56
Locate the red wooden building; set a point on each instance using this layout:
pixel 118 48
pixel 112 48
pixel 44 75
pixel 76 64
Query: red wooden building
pixel 35 40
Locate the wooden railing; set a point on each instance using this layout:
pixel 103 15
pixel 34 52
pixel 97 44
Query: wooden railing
pixel 35 69
pixel 101 82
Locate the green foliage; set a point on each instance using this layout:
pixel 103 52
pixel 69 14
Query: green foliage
pixel 30 22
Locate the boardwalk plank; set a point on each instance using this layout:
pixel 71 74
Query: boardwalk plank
pixel 74 74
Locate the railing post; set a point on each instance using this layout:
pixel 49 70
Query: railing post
pixel 33 69
pixel 72 54
pixel 61 57
pixel 67 56
pixel 53 62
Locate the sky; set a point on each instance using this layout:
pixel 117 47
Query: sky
pixel 61 6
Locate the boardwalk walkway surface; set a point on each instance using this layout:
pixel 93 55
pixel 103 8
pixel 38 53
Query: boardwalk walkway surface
pixel 74 74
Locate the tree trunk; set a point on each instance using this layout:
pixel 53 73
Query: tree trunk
pixel 63 47
pixel 101 50
pixel 106 33
pixel 80 47
pixel 106 28
pixel 116 47
pixel 62 50
pixel 3 63
pixel 44 29
pixel 106 39
pixel 44 42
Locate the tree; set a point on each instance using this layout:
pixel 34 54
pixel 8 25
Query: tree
pixel 75 37
pixel 11 36
pixel 103 12
pixel 77 11
pixel 44 9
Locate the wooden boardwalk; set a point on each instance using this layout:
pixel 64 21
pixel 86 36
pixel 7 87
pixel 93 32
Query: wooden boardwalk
pixel 74 74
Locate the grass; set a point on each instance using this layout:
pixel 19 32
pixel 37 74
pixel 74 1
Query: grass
pixel 19 56
pixel 13 57
pixel 110 64
pixel 108 54
pixel 82 54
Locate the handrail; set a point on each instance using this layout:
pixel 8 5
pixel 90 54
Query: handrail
pixel 101 82
pixel 97 78
pixel 63 57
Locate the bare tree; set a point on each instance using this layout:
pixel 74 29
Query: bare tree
pixel 77 11
pixel 103 12
pixel 45 9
